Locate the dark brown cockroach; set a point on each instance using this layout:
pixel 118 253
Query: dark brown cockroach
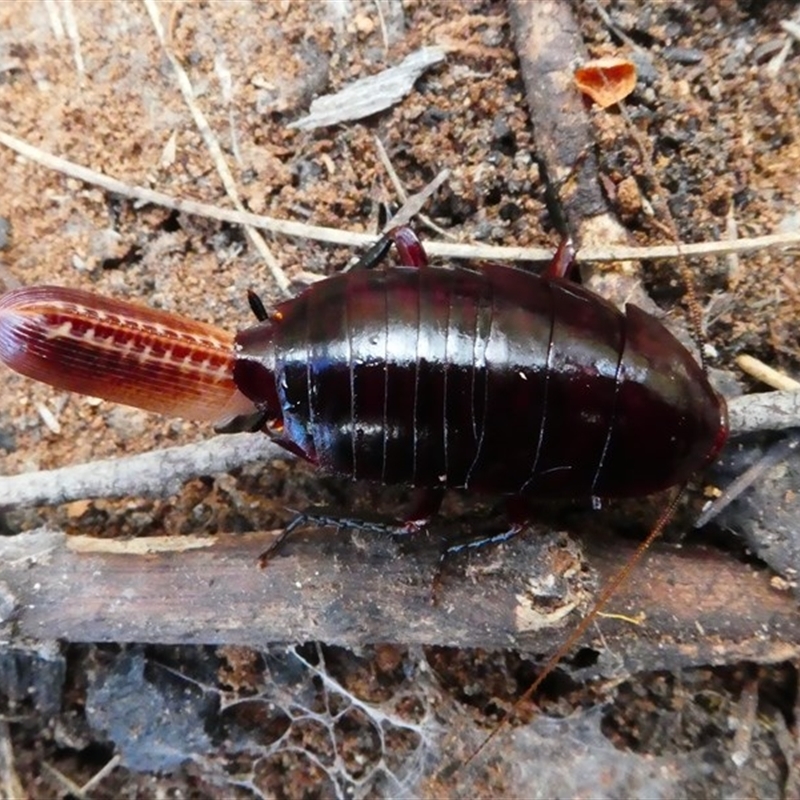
pixel 489 379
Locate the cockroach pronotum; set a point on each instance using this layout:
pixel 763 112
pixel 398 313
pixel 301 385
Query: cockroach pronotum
pixel 490 379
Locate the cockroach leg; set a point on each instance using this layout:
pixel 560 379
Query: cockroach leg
pixel 409 247
pixel 563 260
pixel 495 538
pixel 321 518
pixel 242 423
pixel 298 522
pixel 409 250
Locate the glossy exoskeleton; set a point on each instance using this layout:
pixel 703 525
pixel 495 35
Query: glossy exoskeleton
pixel 487 378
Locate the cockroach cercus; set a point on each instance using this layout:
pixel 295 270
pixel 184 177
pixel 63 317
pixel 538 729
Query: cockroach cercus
pixel 486 378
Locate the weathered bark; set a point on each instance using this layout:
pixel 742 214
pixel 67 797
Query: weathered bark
pixel 701 606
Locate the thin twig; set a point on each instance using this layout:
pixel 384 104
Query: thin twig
pixel 157 473
pixel 606 19
pixel 777 62
pixel 217 156
pixel 792 28
pixel 776 454
pixel 71 27
pixel 65 782
pixel 746 713
pixel 413 204
pixel 54 17
pixel 358 239
pixel 102 774
pixel 401 191
pixel 10 784
pixel 771 377
pixel 382 23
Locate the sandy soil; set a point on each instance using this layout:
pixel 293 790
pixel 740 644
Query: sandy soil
pixel 725 136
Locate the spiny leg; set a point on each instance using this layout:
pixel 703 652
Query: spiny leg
pixel 322 519
pixel 518 512
pixel 424 505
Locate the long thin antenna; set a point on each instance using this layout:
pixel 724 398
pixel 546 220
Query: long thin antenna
pixel 608 591
pixel 670 228
pixel 695 318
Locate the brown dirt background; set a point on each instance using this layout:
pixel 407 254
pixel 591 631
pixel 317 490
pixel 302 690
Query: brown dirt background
pixel 727 146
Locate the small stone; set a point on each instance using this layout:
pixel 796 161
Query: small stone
pixel 683 55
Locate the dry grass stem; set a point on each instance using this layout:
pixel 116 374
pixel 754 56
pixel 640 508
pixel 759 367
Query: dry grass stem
pixel 212 143
pixel 358 239
pixel 766 374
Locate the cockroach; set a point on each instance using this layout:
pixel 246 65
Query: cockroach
pixel 490 379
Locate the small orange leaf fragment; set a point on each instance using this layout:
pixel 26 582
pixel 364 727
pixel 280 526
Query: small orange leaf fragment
pixel 606 80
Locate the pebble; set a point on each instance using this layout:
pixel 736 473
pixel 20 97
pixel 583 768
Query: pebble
pixel 683 55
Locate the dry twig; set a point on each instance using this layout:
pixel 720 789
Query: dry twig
pixel 159 472
pixel 321 589
pixel 211 142
pixel 358 239
pixel 10 784
pixel 767 411
pixel 776 454
pixel 771 377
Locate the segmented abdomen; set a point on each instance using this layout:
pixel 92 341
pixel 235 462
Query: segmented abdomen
pixel 495 380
